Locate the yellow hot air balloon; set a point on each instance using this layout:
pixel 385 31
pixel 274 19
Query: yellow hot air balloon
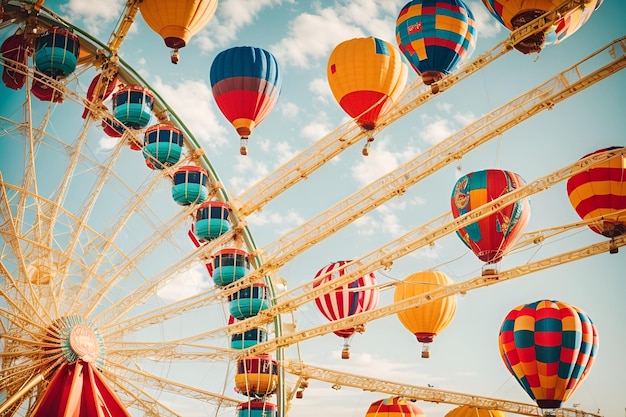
pixel 366 77
pixel 428 320
pixel 467 411
pixel 177 20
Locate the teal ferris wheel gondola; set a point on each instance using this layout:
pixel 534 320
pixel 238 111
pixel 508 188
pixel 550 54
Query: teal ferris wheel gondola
pixel 249 301
pixel 248 338
pixel 132 106
pixel 162 145
pixel 56 52
pixel 190 185
pixel 212 220
pixel 230 265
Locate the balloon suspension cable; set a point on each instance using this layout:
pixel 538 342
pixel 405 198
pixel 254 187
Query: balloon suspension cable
pixel 244 146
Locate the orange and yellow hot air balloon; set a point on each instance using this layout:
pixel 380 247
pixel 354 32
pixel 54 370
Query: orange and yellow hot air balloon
pixel 366 77
pixel 177 20
pixel 468 411
pixel 600 194
pixel 428 320
pixel 394 407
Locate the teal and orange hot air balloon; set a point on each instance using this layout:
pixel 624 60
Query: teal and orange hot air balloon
pixel 246 83
pixel 366 77
pixel 549 347
pixel 599 195
pixel 394 407
pixel 492 236
pixel 435 36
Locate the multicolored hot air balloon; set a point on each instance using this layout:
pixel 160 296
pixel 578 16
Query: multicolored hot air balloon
pixel 177 20
pixel 492 236
pixel 600 193
pixel 246 83
pixel 435 36
pixel 514 14
pixel 468 411
pixel 428 320
pixel 549 347
pixel 345 300
pixel 366 77
pixel 394 407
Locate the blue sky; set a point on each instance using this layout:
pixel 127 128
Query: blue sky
pixel 302 34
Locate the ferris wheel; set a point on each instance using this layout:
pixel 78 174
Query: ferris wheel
pixel 100 260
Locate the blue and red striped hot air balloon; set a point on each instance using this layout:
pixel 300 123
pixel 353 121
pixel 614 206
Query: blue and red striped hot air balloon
pixel 345 300
pixel 600 193
pixel 394 407
pixel 492 236
pixel 246 83
pixel 549 347
pixel 435 36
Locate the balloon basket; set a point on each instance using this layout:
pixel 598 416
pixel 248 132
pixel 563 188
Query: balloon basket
pixel 425 352
pixel 345 353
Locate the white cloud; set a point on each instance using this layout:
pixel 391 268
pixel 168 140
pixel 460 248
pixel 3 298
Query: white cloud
pixel 186 284
pixel 486 25
pixel 289 109
pixel 321 90
pixel 94 14
pixel 191 100
pixel 106 143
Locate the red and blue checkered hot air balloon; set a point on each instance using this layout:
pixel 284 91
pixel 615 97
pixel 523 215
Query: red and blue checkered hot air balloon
pixel 358 296
pixel 394 407
pixel 492 236
pixel 246 83
pixel 435 36
pixel 549 347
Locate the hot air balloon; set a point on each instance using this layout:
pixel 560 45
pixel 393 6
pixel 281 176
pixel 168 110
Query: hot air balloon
pixel 246 83
pixel 428 320
pixel 467 411
pixel 176 21
pixel 490 237
pixel 514 14
pixel 549 347
pixel 345 300
pixel 366 76
pixel 435 36
pixel 600 193
pixel 394 407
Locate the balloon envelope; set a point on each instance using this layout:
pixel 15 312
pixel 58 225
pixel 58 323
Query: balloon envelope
pixel 600 193
pixel 177 20
pixel 549 347
pixel 246 83
pixel 435 36
pixel 394 407
pixel 366 77
pixel 348 299
pixel 490 237
pixel 516 13
pixel 427 320
pixel 467 411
